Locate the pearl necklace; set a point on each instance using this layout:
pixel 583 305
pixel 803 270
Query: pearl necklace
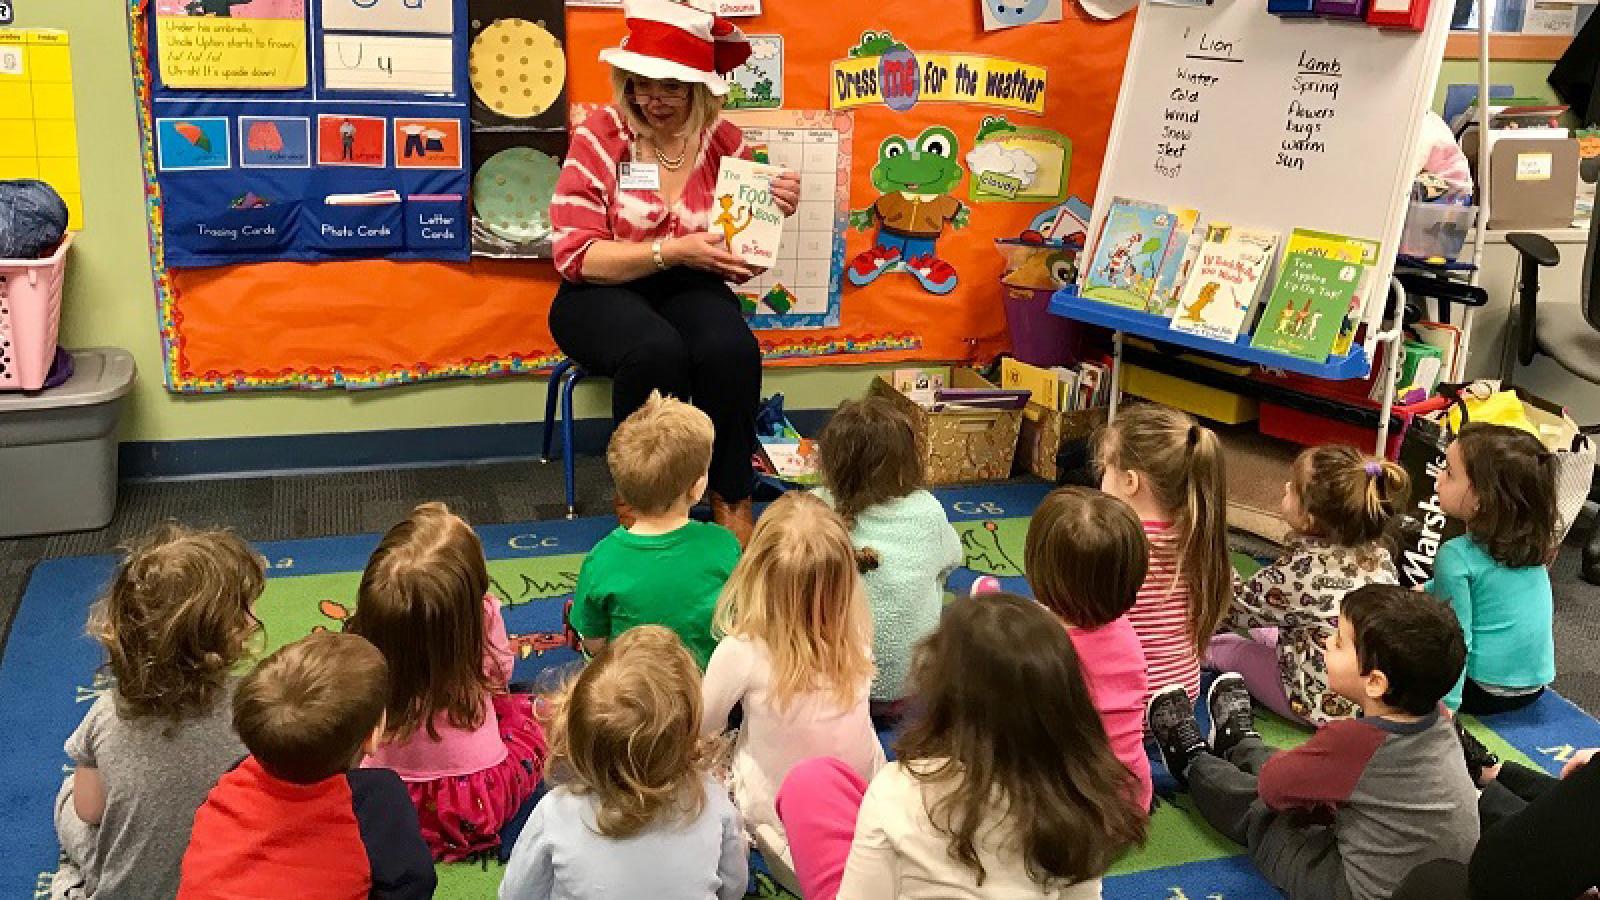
pixel 669 163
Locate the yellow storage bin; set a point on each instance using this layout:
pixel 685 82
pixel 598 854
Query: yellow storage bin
pixel 1206 402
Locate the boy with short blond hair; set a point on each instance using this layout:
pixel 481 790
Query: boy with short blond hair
pixel 661 568
pixel 297 818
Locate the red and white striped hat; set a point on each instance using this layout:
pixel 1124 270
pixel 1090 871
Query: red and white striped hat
pixel 668 39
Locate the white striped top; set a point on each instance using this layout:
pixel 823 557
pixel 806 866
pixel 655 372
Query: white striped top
pixel 589 206
pixel 1161 615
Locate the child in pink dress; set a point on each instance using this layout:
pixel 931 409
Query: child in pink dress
pixel 470 753
pixel 1086 558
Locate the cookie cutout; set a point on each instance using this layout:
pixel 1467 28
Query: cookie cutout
pixel 517 68
pixel 512 191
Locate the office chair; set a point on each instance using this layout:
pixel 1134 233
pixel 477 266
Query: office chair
pixel 1568 333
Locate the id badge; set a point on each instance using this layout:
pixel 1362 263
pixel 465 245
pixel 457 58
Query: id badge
pixel 638 176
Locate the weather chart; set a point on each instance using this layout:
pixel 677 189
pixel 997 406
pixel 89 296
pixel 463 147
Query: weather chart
pixel 311 129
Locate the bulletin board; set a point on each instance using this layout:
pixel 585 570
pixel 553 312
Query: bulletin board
pixel 282 133
pixel 371 322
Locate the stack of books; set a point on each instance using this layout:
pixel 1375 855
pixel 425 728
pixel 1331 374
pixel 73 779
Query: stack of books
pixel 1059 388
pixel 1223 281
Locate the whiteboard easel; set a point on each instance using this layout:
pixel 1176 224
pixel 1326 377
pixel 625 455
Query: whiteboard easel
pixel 1277 123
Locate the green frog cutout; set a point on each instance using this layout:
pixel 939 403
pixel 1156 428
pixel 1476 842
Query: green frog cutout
pixel 915 179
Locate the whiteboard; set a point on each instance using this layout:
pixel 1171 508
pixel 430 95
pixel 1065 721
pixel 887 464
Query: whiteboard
pixel 1271 122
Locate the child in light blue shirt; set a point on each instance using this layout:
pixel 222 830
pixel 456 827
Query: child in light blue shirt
pixel 1501 482
pixel 635 813
pixel 873 474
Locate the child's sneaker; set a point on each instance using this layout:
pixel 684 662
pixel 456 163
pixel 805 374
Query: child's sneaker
pixel 1478 757
pixel 1232 719
pixel 1170 717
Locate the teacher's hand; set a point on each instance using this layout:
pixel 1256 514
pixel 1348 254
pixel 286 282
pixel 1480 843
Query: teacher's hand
pixel 707 252
pixel 786 191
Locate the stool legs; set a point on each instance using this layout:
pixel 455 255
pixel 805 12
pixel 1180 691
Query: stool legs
pixel 568 441
pixel 558 377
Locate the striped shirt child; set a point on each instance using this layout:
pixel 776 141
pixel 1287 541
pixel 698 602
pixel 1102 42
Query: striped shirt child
pixel 1161 616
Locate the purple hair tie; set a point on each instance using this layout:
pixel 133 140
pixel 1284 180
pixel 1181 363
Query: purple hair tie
pixel 1373 469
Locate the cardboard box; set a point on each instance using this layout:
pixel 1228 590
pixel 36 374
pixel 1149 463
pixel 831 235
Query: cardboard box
pixel 961 445
pixel 1045 431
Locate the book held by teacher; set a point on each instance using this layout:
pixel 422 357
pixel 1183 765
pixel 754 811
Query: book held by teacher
pixel 745 213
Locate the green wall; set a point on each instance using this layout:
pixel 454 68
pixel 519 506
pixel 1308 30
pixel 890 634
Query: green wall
pixel 1527 76
pixel 110 301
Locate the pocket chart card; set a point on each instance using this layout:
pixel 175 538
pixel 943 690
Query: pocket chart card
pixel 355 145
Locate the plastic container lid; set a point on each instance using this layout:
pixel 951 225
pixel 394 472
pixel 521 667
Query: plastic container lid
pixel 100 375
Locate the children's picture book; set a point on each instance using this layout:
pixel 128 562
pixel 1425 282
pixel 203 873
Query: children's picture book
pixel 1128 257
pixel 1041 384
pixel 1349 249
pixel 745 212
pixel 1308 306
pixel 1181 251
pixel 1225 282
pixel 792 461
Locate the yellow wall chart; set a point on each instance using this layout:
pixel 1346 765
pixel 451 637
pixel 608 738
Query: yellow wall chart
pixel 38 134
pixel 233 44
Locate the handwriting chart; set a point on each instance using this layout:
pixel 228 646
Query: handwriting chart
pixel 1270 122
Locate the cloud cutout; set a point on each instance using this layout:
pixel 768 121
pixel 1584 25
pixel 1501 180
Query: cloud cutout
pixel 994 157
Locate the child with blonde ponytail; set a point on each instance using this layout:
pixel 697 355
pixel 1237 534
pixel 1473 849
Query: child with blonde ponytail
pixel 797 655
pixel 1338 503
pixel 1169 469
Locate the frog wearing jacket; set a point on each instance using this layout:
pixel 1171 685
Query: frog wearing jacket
pixel 914 179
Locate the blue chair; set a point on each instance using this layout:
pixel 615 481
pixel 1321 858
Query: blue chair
pixel 563 378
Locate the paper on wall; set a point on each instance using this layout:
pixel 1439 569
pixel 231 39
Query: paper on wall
pixel 365 62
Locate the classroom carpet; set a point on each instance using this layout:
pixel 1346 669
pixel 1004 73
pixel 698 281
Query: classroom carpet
pixel 49 674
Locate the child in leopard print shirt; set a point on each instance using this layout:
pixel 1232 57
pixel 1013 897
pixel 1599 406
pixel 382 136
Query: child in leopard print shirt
pixel 1338 504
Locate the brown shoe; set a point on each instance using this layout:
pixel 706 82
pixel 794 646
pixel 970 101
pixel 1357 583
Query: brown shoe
pixel 737 517
pixel 626 515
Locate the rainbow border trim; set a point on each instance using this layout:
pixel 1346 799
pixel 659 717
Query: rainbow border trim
pixel 169 317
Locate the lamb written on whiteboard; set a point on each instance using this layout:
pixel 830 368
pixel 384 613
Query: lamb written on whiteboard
pixel 1315 92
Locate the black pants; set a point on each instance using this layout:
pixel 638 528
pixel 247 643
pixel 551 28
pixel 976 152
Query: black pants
pixel 679 332
pixel 1479 702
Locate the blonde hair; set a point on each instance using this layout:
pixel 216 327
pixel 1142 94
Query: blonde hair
pixel 1350 497
pixel 797 589
pixel 176 619
pixel 421 604
pixel 704 106
pixel 627 731
pixel 1183 462
pixel 307 709
pixel 658 453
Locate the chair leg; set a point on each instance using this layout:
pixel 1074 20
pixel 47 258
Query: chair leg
pixel 558 375
pixel 567 441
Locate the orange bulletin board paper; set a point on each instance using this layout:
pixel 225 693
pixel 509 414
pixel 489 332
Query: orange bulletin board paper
pixel 370 323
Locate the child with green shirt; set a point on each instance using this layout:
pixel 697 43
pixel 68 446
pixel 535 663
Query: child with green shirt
pixel 1501 482
pixel 663 568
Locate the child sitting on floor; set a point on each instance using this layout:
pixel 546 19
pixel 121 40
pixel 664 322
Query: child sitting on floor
pixel 1169 468
pixel 1005 784
pixel 797 656
pixel 1086 558
pixel 469 752
pixel 1338 504
pixel 662 569
pixel 635 813
pixel 296 819
pixel 872 472
pixel 1501 482
pixel 175 621
pixel 1392 780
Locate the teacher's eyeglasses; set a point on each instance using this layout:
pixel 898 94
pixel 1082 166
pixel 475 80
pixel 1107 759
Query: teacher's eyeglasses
pixel 667 91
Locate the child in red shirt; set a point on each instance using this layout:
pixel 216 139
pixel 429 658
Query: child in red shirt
pixel 296 819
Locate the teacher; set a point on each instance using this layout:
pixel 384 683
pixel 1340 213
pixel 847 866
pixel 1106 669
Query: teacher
pixel 644 297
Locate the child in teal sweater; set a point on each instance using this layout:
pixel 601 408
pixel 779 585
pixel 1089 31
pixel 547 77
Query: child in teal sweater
pixel 1501 482
pixel 872 475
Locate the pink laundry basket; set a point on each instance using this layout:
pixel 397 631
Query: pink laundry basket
pixel 30 317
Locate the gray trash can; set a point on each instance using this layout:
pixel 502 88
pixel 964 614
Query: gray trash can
pixel 58 448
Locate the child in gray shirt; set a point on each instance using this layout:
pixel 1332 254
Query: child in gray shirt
pixel 670 832
pixel 174 622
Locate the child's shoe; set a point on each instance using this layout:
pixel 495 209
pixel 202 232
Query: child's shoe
pixel 1478 757
pixel 1232 719
pixel 1170 717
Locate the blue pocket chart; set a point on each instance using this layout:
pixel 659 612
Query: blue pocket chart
pixel 319 173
